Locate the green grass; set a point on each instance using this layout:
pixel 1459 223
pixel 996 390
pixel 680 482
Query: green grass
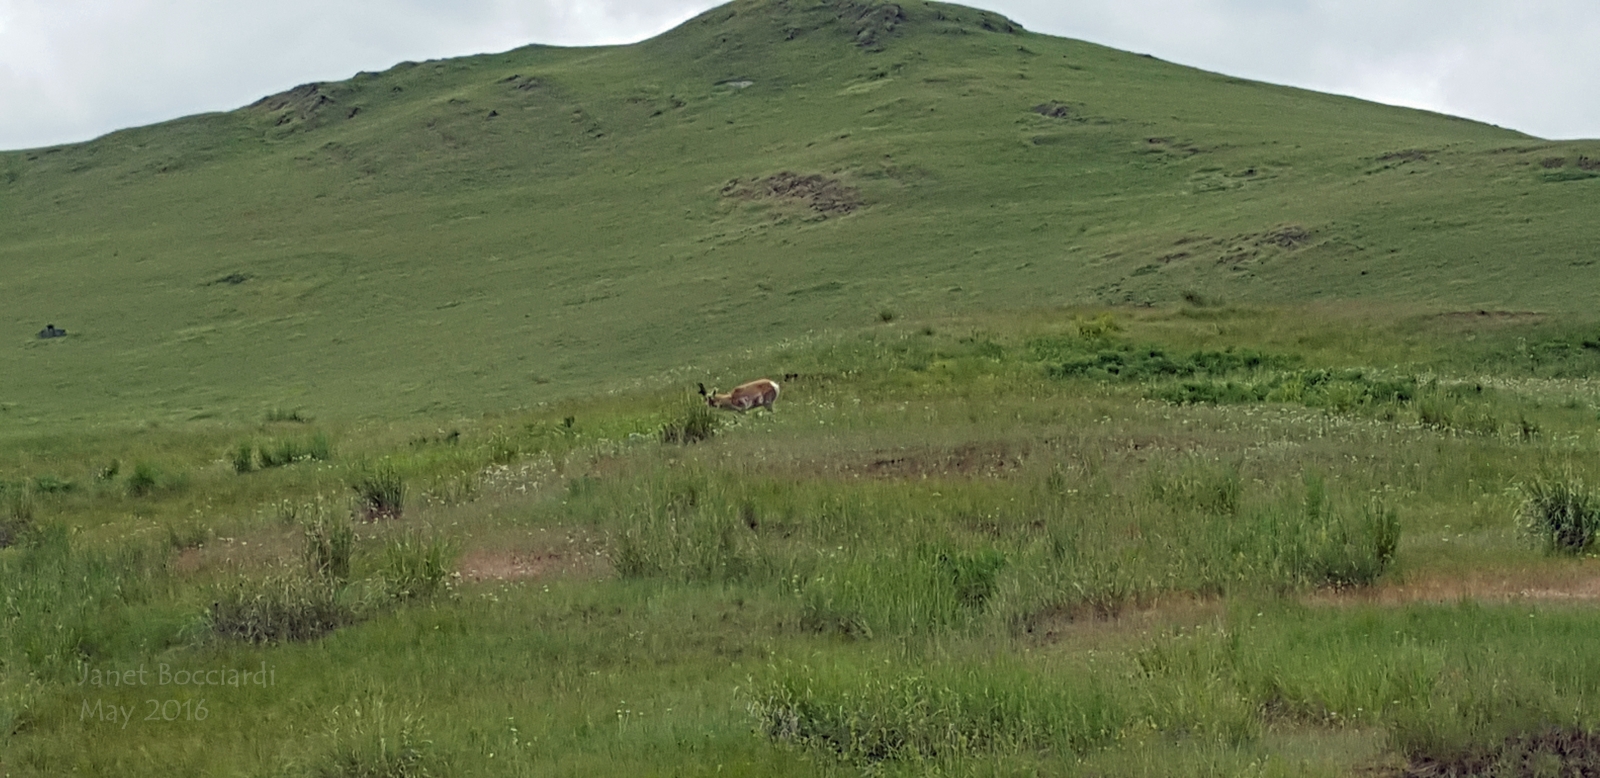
pixel 233 246
pixel 1293 517
pixel 938 554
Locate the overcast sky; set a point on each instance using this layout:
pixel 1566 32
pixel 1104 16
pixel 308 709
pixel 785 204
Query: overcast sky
pixel 71 70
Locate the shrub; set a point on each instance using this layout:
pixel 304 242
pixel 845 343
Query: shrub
pixel 698 424
pixel 1560 513
pixel 380 491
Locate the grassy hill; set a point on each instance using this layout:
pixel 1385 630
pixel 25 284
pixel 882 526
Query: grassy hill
pixel 449 237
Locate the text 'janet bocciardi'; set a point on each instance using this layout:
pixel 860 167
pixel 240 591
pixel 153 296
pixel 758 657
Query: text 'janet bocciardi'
pixel 166 675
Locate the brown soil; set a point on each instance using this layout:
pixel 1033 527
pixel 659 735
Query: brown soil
pixel 537 556
pixel 253 551
pixel 1489 586
pixel 826 196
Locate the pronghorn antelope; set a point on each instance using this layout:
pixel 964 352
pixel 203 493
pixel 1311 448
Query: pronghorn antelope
pixel 762 392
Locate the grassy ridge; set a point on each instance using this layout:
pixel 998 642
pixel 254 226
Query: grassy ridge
pixel 453 237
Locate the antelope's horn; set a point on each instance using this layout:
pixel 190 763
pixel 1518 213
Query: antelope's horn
pixel 702 390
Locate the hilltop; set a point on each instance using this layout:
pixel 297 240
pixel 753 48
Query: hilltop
pixel 476 234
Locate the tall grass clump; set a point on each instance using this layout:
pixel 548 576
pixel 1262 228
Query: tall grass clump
pixel 920 590
pixel 373 738
pixel 1298 544
pixel 287 451
pixel 696 424
pixel 243 458
pixel 869 715
pixel 63 603
pixel 1560 513
pixel 143 480
pixel 286 605
pixel 285 415
pixel 679 526
pixel 415 566
pixel 329 540
pixel 17 508
pixel 380 491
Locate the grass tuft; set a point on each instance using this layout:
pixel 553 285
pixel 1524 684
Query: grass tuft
pixel 284 606
pixel 416 566
pixel 697 424
pixel 374 738
pixel 329 540
pixel 16 513
pixel 1560 512
pixel 380 491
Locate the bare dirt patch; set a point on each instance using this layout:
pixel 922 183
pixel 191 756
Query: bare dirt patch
pixel 826 196
pixel 537 555
pixel 258 549
pixel 1539 585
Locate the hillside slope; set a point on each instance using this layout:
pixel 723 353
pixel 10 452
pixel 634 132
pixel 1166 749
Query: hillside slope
pixel 480 233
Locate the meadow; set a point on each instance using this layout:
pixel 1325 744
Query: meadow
pixel 1136 421
pixel 1179 540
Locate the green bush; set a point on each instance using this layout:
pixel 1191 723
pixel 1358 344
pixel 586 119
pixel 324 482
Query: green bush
pixel 1560 513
